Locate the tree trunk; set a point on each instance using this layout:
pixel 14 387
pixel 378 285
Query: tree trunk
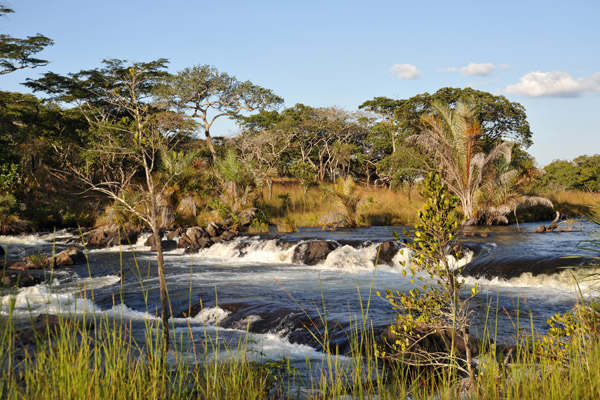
pixel 270 186
pixel 164 295
pixel 210 145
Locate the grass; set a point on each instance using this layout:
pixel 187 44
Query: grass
pixel 575 203
pixel 378 206
pixel 96 357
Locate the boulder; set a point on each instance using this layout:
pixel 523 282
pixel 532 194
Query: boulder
pixel 167 245
pixel 213 229
pixel 68 257
pixel 311 253
pixel 226 236
pixel 424 341
pixel 386 251
pixel 19 280
pixel 111 235
pixel 150 241
pixel 175 233
pixel 334 220
pixel 194 234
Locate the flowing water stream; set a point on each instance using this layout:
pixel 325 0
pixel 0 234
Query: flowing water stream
pixel 251 285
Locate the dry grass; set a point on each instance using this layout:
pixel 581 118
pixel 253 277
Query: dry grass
pixel 379 206
pixel 575 203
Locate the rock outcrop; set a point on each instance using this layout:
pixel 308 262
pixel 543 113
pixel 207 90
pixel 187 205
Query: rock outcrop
pixel 197 238
pixel 311 253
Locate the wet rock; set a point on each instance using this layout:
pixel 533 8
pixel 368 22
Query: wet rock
pixel 386 251
pixel 311 253
pixel 167 245
pixel 19 279
pixel 18 265
pixel 227 236
pixel 68 257
pixel 150 242
pixel 508 267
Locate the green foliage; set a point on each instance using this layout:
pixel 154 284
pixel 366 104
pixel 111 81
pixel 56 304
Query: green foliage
pixel 18 53
pixel 500 118
pixel 583 173
pixel 9 178
pixel 434 305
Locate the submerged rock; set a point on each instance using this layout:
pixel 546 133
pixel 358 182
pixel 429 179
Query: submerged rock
pixel 311 253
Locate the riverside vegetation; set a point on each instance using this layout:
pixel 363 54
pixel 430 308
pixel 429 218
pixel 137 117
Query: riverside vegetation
pixel 95 356
pixel 120 145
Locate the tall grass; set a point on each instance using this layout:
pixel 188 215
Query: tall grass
pixel 95 356
pixel 379 206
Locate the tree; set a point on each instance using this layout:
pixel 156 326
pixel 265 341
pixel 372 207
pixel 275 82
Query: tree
pixel 434 310
pixel 128 132
pixel 500 119
pixel 18 53
pixel 207 94
pixel 451 138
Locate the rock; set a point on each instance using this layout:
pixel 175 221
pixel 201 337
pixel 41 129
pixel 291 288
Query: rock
pixel 19 280
pixel 227 236
pixel 19 265
pixel 182 243
pixel 311 253
pixel 540 229
pixel 247 216
pixel 187 207
pixel 167 245
pixel 45 325
pixel 111 235
pixel 213 229
pixel 386 251
pixel 150 241
pixel 68 257
pixel 333 220
pixel 2 252
pixel 203 243
pixel 173 234
pixel 425 341
pixel 194 234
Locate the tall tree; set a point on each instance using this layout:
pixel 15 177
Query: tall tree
pixel 451 137
pixel 500 118
pixel 18 53
pixel 127 135
pixel 207 94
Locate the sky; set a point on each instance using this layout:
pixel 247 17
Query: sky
pixel 544 55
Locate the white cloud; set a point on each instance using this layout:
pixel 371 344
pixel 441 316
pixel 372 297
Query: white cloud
pixel 405 71
pixel 554 84
pixel 478 69
pixel 449 69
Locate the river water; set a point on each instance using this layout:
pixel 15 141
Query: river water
pixel 251 285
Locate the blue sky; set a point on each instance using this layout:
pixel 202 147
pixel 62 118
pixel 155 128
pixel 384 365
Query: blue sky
pixel 542 54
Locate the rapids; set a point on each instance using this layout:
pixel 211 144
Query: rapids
pixel 250 287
